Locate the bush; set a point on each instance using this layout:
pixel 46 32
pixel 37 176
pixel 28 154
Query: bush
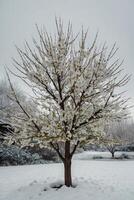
pixel 123 156
pixel 97 157
pixel 44 153
pixel 13 155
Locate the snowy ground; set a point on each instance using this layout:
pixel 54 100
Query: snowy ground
pixel 96 179
pixel 88 155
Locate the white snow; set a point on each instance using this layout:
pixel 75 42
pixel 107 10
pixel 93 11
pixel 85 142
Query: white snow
pixel 87 155
pixel 95 180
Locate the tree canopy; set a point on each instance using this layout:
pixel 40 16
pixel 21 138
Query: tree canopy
pixel 76 87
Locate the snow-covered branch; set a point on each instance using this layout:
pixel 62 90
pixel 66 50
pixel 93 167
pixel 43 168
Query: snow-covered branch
pixel 76 86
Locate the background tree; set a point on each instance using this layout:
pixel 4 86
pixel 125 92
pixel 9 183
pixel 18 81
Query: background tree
pixel 118 134
pixel 75 87
pixel 5 111
pixel 9 109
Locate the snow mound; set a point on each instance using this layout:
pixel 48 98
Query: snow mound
pixel 85 190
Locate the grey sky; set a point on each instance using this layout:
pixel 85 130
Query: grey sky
pixel 113 19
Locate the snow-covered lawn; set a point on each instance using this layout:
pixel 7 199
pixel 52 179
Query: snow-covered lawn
pixel 88 155
pixel 95 179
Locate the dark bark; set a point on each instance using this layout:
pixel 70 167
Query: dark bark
pixel 57 149
pixel 66 159
pixel 67 165
pixel 113 154
pixel 67 172
pixel 112 150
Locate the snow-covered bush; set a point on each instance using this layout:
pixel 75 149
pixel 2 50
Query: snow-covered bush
pixel 128 147
pixel 123 156
pixel 45 153
pixel 13 155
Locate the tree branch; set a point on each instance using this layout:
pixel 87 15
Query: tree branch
pixel 56 148
pixel 74 149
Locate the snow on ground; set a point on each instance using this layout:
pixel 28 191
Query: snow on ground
pixel 87 155
pixel 95 179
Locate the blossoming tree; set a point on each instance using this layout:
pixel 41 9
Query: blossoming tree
pixel 75 88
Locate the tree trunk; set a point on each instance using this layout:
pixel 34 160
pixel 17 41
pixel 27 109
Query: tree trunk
pixel 67 165
pixel 66 159
pixel 67 173
pixel 112 154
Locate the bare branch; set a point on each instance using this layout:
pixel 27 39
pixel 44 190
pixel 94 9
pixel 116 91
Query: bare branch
pixel 56 148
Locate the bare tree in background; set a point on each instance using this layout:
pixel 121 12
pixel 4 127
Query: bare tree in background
pixel 75 86
pixel 7 105
pixel 120 134
pixel 10 112
pixel 5 111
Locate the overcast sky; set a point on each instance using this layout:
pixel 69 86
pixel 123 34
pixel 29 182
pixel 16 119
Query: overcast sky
pixel 113 18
